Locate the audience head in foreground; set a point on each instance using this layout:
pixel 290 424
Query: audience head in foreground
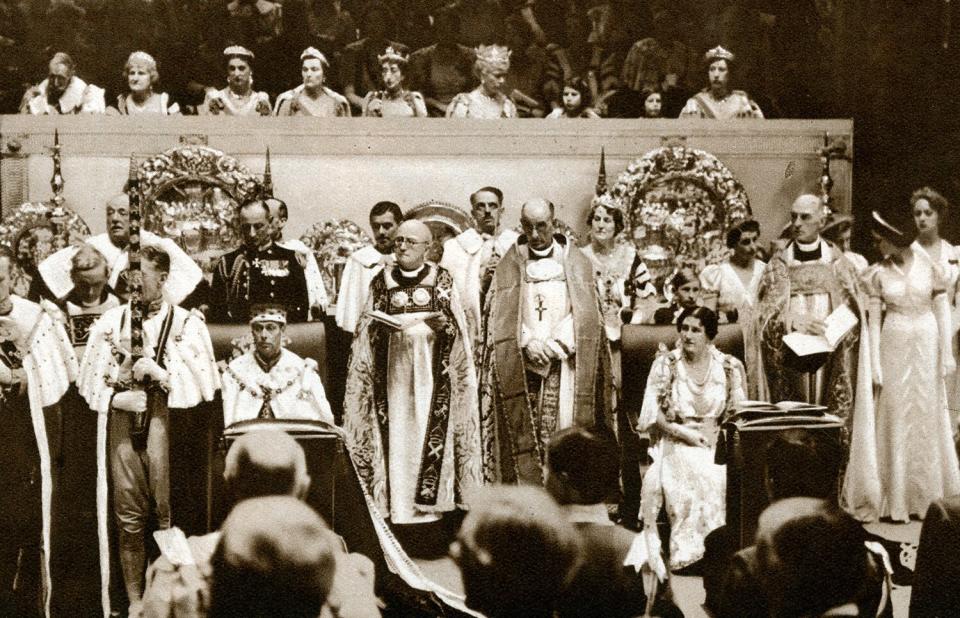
pixel 812 559
pixel 266 462
pixel 569 481
pixel 276 558
pixel 516 552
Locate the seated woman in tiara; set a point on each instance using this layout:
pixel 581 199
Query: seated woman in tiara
pixel 486 101
pixel 312 98
pixel 141 75
pixel 719 101
pixel 394 99
pixel 238 98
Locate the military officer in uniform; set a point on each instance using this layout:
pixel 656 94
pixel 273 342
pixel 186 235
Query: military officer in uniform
pixel 259 271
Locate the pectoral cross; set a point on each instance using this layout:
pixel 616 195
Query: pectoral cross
pixel 540 308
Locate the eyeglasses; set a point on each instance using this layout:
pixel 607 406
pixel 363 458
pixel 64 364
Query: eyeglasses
pixel 401 240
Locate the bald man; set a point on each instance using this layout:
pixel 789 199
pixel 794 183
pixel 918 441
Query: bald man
pixel 410 412
pixel 546 364
pixel 262 462
pixel 184 272
pixel 802 284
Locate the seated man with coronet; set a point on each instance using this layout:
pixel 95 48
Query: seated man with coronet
pixel 259 271
pixel 271 381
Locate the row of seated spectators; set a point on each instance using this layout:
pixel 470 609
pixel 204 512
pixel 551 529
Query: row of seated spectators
pixel 521 551
pixel 626 46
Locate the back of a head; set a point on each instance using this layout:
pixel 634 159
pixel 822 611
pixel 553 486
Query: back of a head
pixel 276 559
pixel 266 462
pixel 799 463
pixel 571 480
pixel 812 556
pixel 518 552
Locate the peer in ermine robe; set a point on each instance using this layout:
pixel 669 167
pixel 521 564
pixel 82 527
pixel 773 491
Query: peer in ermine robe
pixel 410 411
pixel 37 365
pixel 545 360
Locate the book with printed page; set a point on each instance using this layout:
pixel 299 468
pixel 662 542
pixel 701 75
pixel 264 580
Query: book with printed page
pixel 836 326
pixel 392 322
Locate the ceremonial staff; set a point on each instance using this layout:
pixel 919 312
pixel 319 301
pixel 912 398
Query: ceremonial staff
pixel 141 420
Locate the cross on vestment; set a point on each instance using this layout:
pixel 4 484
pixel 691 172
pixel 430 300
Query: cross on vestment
pixel 540 308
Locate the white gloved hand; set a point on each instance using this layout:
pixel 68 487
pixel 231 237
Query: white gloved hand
pixel 130 401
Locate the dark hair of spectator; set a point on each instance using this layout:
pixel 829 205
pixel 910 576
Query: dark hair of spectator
pixel 494 190
pixel 372 9
pixel 682 277
pixel 158 257
pixel 566 454
pixel 708 319
pixel 518 552
pixel 382 208
pixel 615 213
pixel 933 197
pixel 580 85
pixel 736 232
pixel 819 562
pixel 255 576
pixel 797 463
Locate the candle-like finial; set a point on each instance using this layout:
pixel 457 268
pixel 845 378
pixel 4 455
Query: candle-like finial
pixel 602 175
pixel 267 177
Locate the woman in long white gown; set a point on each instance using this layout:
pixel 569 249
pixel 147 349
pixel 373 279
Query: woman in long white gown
pixel 689 391
pixel 911 353
pixel 929 208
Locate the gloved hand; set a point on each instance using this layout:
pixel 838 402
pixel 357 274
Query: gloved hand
pixel 149 367
pixel 130 401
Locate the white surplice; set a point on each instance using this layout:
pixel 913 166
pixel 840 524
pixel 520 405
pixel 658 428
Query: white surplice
pixel 466 256
pixel 301 395
pixel 546 315
pixel 359 271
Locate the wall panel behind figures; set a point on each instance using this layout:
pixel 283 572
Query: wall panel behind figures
pixel 326 168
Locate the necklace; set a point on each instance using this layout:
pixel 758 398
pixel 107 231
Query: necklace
pixel 692 371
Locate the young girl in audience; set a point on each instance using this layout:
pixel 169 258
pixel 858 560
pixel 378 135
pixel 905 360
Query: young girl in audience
pixel 576 101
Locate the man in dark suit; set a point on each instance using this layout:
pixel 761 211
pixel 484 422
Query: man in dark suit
pixel 936 580
pixel 258 272
pixel 582 471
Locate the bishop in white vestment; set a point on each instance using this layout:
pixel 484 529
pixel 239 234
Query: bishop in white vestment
pixel 410 411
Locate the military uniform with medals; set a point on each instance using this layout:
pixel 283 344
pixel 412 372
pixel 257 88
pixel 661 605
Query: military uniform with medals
pixel 274 275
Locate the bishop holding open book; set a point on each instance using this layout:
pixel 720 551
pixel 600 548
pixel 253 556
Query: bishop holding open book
pixel 802 285
pixel 410 410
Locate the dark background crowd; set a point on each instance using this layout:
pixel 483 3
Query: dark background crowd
pixel 891 65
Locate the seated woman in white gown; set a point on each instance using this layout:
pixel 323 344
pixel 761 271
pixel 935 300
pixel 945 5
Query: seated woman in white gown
pixel 689 392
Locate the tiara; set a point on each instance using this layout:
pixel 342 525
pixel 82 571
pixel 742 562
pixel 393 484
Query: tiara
pixel 141 57
pixel 607 201
pixel 392 55
pixel 313 52
pixel 238 50
pixel 493 56
pixel 719 53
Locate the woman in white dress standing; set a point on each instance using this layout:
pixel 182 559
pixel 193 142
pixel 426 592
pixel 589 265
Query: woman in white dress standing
pixel 910 354
pixel 929 208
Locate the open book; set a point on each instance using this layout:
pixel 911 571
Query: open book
pixel 392 322
pixel 836 326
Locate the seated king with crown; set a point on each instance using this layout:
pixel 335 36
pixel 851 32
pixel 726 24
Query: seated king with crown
pixel 270 381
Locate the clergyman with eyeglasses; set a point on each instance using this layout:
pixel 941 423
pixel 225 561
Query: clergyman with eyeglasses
pixel 410 410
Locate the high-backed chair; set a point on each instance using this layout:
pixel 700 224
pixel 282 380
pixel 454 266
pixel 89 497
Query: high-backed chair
pixel 640 343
